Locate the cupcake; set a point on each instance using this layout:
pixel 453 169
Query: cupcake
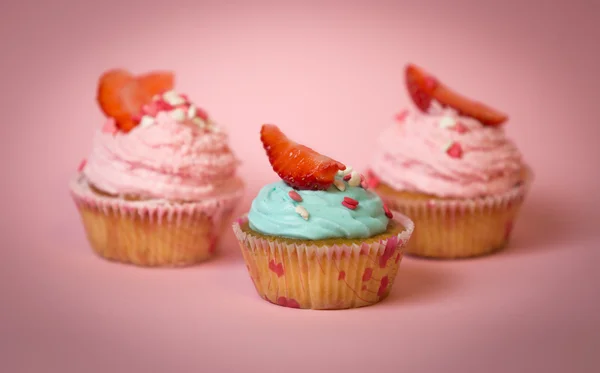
pixel 318 238
pixel 159 185
pixel 449 166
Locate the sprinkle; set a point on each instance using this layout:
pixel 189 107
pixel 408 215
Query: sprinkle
pixel 349 206
pixel 387 211
pixel 146 121
pixel 150 109
pixel 447 122
pixel 347 177
pixel 372 179
pixel 351 201
pixel 363 182
pixel 401 115
pixel 199 122
pixel 461 128
pixel 163 106
pixel 454 150
pixel 185 97
pixel 172 98
pixel 295 196
pixel 202 114
pixel 82 165
pixel 178 115
pixel 302 212
pixel 339 184
pixel 191 113
pixel 345 171
pixel 354 179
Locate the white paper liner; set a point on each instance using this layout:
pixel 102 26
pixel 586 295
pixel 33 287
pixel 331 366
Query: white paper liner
pixel 298 274
pixel 459 228
pixel 152 232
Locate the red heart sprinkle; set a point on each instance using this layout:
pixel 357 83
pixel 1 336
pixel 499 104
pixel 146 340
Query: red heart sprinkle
pixel 455 150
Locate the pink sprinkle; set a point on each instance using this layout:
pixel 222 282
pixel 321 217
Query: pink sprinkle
pixel 136 118
pixel 460 128
pixel 162 105
pixel 185 97
pixel 201 113
pixel 150 109
pixel 347 205
pixel 387 211
pixel 295 196
pixel 455 150
pixel 372 180
pixel 401 116
pixel 347 177
pixel 82 165
pixel 351 201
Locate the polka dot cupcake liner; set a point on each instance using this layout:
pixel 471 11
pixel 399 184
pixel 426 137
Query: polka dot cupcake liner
pixel 300 274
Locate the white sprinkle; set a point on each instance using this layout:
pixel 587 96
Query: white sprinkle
pixel 147 121
pixel 199 122
pixel 447 122
pixel 345 172
pixel 302 212
pixel 191 112
pixel 339 184
pixel 171 97
pixel 354 179
pixel 178 114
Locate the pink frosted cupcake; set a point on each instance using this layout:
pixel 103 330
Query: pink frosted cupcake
pixel 450 167
pixel 160 183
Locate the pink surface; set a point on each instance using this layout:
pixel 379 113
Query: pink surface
pixel 322 73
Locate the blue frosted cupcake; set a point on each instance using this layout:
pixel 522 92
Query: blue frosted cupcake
pixel 319 238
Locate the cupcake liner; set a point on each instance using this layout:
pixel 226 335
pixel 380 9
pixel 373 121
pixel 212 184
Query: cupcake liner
pixel 461 228
pixel 298 274
pixel 152 232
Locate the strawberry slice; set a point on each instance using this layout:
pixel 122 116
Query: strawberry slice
pixel 110 82
pixel 156 82
pixel 423 88
pixel 121 95
pixel 299 166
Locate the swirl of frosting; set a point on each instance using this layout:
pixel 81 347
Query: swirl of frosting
pixel 414 155
pixel 169 159
pixel 273 212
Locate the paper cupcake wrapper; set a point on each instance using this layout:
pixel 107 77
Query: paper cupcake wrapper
pixel 152 232
pixel 298 274
pixel 459 228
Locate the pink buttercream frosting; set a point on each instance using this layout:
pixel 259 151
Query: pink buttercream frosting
pixel 169 159
pixel 416 154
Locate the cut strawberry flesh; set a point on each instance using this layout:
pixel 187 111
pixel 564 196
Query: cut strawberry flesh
pixel 424 88
pixel 111 82
pixel 299 166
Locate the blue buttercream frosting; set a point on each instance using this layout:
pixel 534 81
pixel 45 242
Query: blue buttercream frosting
pixel 273 212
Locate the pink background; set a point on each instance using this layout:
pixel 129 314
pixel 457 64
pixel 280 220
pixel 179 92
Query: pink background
pixel 331 76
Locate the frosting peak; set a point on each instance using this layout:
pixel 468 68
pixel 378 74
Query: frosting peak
pixel 168 159
pixel 444 154
pixel 338 212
